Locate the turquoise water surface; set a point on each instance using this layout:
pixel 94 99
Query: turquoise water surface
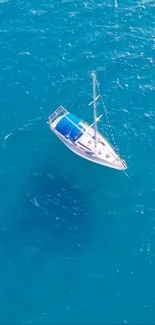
pixel 77 240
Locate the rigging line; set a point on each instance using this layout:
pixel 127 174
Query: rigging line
pixel 79 94
pixel 106 114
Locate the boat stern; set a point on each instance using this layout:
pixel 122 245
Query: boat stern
pixel 56 114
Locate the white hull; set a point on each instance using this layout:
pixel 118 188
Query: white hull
pixel 92 159
pixel 83 143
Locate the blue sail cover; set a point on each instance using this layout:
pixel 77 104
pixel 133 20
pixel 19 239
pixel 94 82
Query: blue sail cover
pixel 67 128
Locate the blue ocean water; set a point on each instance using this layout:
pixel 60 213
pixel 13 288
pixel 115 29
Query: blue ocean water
pixel 77 240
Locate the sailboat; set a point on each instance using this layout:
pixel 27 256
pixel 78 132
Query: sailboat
pixel 83 139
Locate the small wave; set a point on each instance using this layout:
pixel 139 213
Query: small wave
pixel 35 202
pixel 3 1
pixel 38 12
pixel 24 53
pixel 8 136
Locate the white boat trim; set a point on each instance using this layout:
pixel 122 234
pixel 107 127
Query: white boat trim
pixel 84 139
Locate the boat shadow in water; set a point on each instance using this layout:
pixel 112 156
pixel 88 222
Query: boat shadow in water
pixel 56 213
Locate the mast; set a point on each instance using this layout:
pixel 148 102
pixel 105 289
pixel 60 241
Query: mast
pixel 94 102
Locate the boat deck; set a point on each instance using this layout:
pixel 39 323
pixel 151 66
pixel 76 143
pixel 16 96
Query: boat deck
pixel 103 149
pixel 86 143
